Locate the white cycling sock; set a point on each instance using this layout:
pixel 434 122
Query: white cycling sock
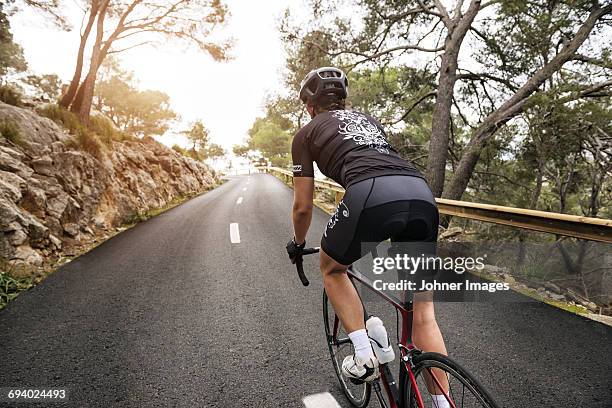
pixel 439 401
pixel 361 342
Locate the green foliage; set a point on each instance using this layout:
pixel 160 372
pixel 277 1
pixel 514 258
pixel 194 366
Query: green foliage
pixel 106 130
pixel 179 149
pixel 10 130
pixel 214 151
pixel 11 95
pixel 86 138
pixel 271 140
pixel 198 135
pixel 48 87
pixel 133 111
pixel 241 150
pixel 11 54
pixel 62 117
pixel 11 287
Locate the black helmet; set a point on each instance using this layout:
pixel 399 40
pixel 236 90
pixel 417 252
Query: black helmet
pixel 322 82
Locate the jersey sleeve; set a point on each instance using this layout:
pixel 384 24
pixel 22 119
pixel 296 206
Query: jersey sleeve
pixel 300 154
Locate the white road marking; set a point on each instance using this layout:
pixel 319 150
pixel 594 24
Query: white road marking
pixel 234 233
pixel 239 200
pixel 322 400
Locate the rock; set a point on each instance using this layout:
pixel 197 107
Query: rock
pixel 54 195
pixel 556 296
pixel 28 255
pixel 34 201
pixel 552 287
pixel 507 278
pixel 71 229
pixel 35 131
pixel 56 205
pixel 11 161
pixel 10 186
pixel 43 165
pixel 9 212
pixel 17 237
pixel 166 164
pixel 451 232
pixel 591 306
pixel 57 243
pixel 36 230
pixel 493 269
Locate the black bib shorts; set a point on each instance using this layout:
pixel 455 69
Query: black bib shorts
pixel 399 207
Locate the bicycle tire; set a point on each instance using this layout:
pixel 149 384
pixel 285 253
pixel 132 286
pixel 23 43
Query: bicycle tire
pixel 357 399
pixel 424 361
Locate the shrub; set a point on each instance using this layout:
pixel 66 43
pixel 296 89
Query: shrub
pixel 10 287
pixel 178 149
pixel 10 95
pixel 105 129
pixel 90 143
pixel 10 130
pixel 63 117
pixel 88 140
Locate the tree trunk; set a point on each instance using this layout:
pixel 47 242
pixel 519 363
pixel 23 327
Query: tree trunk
pixel 78 98
pixel 438 144
pixel 514 106
pixel 457 28
pixel 84 97
pixel 68 97
pixel 87 92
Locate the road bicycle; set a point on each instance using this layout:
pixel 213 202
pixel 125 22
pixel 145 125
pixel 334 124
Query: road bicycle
pixel 421 374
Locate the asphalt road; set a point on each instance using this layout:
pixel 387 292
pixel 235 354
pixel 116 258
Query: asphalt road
pixel 171 313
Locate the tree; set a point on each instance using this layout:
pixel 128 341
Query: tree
pixel 198 136
pixel 48 87
pixel 121 25
pixel 514 55
pixel 130 109
pixel 214 151
pixel 241 150
pixel 11 54
pixel 271 140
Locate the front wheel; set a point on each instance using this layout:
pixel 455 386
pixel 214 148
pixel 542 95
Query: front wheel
pixel 439 375
pixel 340 346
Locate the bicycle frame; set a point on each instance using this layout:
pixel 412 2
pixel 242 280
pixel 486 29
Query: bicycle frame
pixel 407 348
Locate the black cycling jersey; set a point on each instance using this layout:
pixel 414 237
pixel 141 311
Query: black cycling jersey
pixel 348 147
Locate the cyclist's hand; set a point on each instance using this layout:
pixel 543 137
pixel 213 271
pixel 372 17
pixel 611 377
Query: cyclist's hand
pixel 294 250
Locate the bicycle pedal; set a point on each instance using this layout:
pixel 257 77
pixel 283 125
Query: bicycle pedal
pixel 356 381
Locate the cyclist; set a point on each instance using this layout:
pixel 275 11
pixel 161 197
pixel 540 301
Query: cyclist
pixel 386 197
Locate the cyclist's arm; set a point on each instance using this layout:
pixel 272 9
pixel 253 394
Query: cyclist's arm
pixel 303 187
pixel 302 206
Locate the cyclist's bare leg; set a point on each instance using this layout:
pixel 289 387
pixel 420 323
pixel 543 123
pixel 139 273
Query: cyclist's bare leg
pixel 342 293
pixel 426 334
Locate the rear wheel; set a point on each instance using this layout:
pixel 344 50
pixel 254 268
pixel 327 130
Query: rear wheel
pixel 340 346
pixel 451 379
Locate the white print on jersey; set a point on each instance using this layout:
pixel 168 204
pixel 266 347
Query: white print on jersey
pixel 297 168
pixel 336 216
pixel 357 127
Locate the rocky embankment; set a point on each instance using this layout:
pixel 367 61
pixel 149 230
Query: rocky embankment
pixel 54 196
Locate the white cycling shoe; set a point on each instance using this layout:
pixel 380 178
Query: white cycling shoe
pixel 358 371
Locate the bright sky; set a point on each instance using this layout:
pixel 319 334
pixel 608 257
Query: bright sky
pixel 226 96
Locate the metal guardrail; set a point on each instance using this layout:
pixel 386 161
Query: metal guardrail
pixel 594 229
